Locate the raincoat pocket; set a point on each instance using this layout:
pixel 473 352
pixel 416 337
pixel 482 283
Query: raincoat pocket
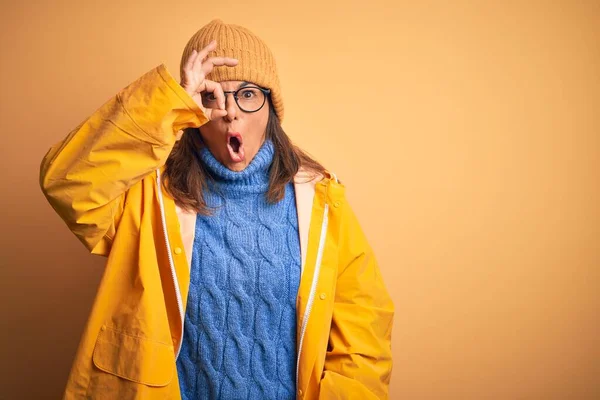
pixel 134 358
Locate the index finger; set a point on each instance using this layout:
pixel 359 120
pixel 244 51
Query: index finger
pixel 212 62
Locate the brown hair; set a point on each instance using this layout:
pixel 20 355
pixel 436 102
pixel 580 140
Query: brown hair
pixel 185 175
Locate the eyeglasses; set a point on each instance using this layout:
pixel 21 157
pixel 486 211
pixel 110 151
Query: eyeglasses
pixel 248 98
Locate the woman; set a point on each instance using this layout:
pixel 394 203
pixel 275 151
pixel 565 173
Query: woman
pixel 236 268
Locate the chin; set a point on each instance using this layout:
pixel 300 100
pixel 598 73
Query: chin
pixel 237 167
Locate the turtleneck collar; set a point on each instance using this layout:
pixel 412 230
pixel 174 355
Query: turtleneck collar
pixel 253 179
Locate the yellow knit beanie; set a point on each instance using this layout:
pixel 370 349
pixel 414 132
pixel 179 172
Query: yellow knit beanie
pixel 256 62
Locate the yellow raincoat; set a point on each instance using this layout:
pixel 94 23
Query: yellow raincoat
pixel 104 181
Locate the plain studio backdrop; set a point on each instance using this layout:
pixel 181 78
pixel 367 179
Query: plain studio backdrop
pixel 467 134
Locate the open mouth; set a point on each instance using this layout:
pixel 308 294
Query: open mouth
pixel 235 145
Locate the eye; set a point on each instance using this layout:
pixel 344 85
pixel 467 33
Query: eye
pixel 248 94
pixel 209 97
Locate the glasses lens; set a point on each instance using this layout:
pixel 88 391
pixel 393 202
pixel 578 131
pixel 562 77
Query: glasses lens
pixel 250 98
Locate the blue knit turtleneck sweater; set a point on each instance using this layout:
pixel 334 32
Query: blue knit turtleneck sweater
pixel 239 337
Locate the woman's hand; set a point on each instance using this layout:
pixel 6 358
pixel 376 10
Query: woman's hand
pixel 194 82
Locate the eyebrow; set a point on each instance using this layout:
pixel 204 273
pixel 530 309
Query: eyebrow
pixel 244 84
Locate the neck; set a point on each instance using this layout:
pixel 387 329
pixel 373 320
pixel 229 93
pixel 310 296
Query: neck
pixel 253 179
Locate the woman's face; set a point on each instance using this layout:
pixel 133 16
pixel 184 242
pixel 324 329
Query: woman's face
pixel 235 138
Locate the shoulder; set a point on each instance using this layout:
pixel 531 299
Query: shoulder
pixel 306 176
pixel 327 185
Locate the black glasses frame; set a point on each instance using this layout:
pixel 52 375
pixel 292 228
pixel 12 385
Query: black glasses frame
pixel 266 92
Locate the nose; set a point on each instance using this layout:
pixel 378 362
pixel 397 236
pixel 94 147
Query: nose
pixel 231 107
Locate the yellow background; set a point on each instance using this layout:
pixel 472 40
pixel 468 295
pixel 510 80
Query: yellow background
pixel 467 134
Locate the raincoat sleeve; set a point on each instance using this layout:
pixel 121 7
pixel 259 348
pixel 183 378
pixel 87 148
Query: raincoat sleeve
pixel 358 363
pixel 85 176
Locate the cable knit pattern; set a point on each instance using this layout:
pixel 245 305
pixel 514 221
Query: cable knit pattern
pixel 239 337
